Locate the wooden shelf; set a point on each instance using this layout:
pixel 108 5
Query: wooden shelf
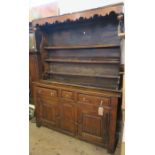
pixel 82 47
pixel 110 61
pixel 53 82
pixel 85 75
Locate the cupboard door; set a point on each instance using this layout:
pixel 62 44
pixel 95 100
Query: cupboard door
pixel 49 112
pixel 91 126
pixel 68 117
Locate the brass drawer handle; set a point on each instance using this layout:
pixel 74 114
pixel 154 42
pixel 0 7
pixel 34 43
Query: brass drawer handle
pixel 39 91
pixel 83 98
pixel 66 95
pixel 52 94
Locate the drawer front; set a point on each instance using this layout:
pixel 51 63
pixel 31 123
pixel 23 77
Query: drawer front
pixel 67 94
pixel 93 99
pixel 52 93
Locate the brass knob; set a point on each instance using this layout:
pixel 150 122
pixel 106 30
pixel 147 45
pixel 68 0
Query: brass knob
pixel 84 98
pixel 67 95
pixel 39 91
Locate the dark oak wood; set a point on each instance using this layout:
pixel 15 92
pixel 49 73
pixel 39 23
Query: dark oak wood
pixel 87 75
pixel 74 110
pixel 92 127
pixel 83 61
pixel 101 91
pixel 68 117
pixel 78 93
pixel 34 68
pixel 112 125
pixel 82 47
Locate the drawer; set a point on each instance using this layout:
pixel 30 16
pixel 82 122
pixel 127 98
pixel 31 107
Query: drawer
pixel 47 92
pixel 67 94
pixel 47 100
pixel 93 99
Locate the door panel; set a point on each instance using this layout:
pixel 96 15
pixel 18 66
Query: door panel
pixel 68 117
pixel 93 127
pixel 49 112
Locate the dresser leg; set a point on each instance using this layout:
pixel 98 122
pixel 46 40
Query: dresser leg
pixel 110 150
pixel 112 125
pixel 38 124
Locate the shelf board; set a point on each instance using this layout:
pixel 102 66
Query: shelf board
pixel 110 61
pixel 99 89
pixel 82 47
pixel 85 75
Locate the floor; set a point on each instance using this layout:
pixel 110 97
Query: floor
pixel 44 141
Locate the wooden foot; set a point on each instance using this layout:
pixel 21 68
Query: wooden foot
pixel 38 124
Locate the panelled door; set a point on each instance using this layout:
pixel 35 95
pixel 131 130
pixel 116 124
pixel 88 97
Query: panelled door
pixel 92 124
pixel 49 112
